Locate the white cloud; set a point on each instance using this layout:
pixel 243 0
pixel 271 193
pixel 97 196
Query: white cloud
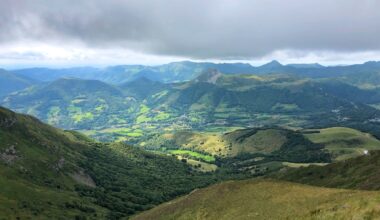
pixel 38 54
pixel 153 31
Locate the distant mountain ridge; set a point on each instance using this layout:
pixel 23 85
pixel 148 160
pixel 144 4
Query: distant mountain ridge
pixel 10 82
pixel 187 70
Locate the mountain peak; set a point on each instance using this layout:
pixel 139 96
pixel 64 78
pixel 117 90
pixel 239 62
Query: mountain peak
pixel 273 63
pixel 372 63
pixel 305 65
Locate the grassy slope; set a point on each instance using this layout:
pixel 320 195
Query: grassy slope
pixel 343 142
pixel 25 200
pixel 229 144
pixel 262 141
pixel 257 199
pixel 32 184
pixel 10 82
pixel 37 163
pixel 356 173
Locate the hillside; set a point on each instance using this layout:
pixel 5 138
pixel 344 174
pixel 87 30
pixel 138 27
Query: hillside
pixel 71 103
pixel 356 173
pixel 365 75
pixel 212 101
pixel 260 151
pixel 10 82
pixel 171 72
pixel 268 199
pixel 342 142
pixel 48 173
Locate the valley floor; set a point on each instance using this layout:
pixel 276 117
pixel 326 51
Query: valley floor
pixel 268 199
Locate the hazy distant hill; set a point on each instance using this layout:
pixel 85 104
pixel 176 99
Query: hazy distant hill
pixel 172 72
pixel 67 102
pixel 365 75
pixel 10 82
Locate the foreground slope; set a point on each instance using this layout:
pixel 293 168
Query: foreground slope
pixel 258 199
pixel 48 173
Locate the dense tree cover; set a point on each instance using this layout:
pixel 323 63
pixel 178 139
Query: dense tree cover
pixel 130 180
pixel 35 157
pixel 299 149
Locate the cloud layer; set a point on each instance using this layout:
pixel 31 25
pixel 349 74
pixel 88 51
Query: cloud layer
pixel 198 29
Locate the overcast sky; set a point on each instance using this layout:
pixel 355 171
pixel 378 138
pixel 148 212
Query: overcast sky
pixel 102 32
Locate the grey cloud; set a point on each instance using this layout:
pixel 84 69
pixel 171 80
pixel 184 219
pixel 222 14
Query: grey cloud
pixel 197 28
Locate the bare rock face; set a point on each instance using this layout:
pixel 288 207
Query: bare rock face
pixel 209 76
pixel 9 156
pixel 60 164
pixel 7 122
pixel 83 178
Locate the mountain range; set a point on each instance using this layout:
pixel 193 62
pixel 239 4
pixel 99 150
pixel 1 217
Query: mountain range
pixel 187 70
pixel 211 99
pixel 181 126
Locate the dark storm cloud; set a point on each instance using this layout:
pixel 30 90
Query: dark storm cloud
pixel 197 28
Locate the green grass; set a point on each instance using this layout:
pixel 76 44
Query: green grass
pixel 101 107
pixel 142 119
pixel 25 200
pixel 134 134
pixel 199 165
pixel 196 155
pixel 262 141
pixel 74 109
pixel 356 173
pixel 82 116
pixel 53 115
pixel 161 116
pixel 144 109
pixel 258 199
pixel 343 142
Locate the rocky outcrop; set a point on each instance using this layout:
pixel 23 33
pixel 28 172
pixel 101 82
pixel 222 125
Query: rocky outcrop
pixel 9 155
pixel 7 122
pixel 83 178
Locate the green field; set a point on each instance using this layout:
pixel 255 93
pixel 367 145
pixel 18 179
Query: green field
pixel 196 155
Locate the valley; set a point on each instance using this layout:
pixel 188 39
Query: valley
pixel 123 112
pixel 270 133
pixel 189 110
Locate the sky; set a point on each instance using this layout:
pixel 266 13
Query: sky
pixel 99 32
